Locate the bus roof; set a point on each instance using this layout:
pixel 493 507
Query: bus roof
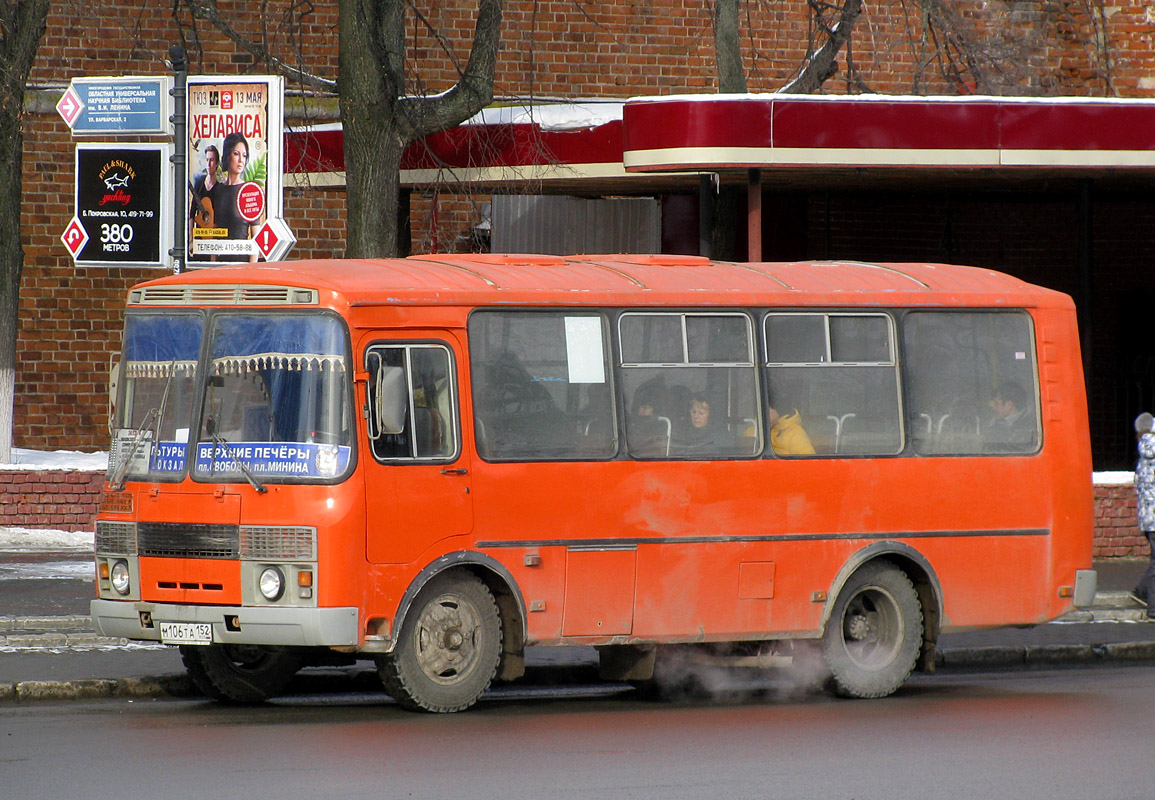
pixel 489 279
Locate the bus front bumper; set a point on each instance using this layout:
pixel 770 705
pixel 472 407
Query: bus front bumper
pixel 288 627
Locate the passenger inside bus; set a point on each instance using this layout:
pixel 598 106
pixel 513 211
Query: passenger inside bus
pixel 704 435
pixel 596 419
pixel 1012 430
pixel 787 436
pixel 649 431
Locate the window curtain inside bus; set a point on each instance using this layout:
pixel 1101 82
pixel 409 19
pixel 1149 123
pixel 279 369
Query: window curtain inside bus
pixel 156 345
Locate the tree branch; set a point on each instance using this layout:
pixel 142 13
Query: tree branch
pixel 207 10
pixel 426 115
pixel 821 64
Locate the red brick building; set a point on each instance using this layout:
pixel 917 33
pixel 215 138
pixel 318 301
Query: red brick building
pixel 1040 229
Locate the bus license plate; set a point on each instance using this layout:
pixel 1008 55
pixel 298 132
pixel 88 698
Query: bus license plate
pixel 186 633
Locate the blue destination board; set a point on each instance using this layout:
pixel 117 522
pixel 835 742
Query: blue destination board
pixel 271 459
pixel 122 105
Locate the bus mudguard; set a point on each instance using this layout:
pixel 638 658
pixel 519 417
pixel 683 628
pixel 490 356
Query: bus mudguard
pixel 500 580
pixel 906 557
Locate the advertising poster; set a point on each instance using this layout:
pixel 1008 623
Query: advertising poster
pixel 234 166
pixel 121 218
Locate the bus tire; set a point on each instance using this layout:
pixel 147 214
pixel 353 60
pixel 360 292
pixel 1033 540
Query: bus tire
pixel 239 673
pixel 449 648
pixel 874 635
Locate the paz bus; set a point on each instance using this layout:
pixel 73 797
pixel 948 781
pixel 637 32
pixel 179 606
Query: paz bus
pixel 437 462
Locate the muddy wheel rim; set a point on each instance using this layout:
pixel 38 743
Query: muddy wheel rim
pixel 447 635
pixel 872 630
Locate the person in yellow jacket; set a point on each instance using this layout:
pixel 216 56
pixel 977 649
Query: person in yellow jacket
pixel 787 436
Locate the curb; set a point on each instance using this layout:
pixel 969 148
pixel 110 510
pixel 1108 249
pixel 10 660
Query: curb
pixel 68 622
pixel 87 640
pixel 146 687
pixel 1051 655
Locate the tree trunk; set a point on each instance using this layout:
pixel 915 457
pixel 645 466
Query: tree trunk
pixel 728 49
pixel 727 201
pixel 21 28
pixel 11 267
pixel 379 120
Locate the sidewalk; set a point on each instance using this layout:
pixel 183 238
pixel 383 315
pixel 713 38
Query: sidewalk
pixel 58 656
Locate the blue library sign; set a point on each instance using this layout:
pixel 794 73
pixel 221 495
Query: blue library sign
pixel 117 105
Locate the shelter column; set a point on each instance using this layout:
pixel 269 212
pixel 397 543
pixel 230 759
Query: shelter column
pixel 754 215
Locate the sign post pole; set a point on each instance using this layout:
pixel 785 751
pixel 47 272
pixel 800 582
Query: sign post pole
pixel 179 158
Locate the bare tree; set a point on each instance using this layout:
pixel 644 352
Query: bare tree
pixel 380 114
pixel 22 24
pixel 379 118
pixel 727 48
pixel 721 203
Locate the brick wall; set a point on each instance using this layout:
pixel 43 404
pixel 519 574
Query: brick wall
pixel 64 500
pixel 1117 533
pixel 70 319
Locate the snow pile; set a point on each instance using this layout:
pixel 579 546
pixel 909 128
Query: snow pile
pixel 58 459
pixel 33 540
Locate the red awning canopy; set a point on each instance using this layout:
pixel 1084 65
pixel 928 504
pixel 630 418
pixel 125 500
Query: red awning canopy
pixel 645 144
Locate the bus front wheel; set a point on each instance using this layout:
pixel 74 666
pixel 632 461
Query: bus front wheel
pixel 449 647
pixel 239 673
pixel 874 634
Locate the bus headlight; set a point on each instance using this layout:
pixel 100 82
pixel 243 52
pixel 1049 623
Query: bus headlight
pixel 272 583
pixel 120 579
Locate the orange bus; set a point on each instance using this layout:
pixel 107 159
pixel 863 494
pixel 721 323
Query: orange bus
pixel 438 461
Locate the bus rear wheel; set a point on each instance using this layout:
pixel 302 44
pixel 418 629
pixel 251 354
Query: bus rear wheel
pixel 239 673
pixel 449 647
pixel 874 635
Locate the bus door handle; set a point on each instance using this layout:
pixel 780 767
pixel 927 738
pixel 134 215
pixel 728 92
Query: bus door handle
pixel 457 471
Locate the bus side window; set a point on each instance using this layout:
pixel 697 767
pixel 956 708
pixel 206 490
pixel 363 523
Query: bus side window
pixel 412 402
pixel 972 382
pixel 690 384
pixel 541 385
pixel 833 375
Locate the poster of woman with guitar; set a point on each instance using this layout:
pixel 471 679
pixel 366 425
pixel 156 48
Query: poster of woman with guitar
pixel 234 130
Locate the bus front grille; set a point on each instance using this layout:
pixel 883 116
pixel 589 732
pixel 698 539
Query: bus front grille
pixel 186 540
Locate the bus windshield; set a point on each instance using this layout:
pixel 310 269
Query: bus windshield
pixel 276 399
pixel 159 373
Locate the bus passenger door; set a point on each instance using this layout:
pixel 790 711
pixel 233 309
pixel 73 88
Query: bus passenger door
pixel 417 478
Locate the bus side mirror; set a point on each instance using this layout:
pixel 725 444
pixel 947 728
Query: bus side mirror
pixel 391 399
pixel 113 388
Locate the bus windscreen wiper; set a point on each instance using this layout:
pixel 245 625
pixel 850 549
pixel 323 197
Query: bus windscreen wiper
pixel 220 441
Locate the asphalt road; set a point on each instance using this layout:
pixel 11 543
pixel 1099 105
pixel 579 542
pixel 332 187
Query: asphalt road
pixel 1060 734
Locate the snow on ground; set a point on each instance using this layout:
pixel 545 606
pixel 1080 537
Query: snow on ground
pixel 57 459
pixel 35 540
